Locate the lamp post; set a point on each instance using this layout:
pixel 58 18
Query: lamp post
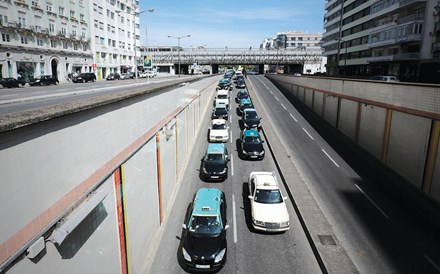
pixel 178 47
pixel 134 38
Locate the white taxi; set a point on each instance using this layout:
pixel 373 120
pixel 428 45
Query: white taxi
pixel 218 131
pixel 268 209
pixel 222 98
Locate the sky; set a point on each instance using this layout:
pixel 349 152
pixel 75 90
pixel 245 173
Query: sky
pixel 226 23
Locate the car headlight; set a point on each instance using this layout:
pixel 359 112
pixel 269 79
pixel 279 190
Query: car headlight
pixel 260 223
pixel 246 125
pixel 220 256
pixel 186 255
pixel 285 224
pixel 223 171
pixel 245 153
pixel 261 153
pixel 204 170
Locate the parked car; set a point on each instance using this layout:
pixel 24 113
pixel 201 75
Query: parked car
pixel 251 145
pixel 220 112
pixel 113 76
pixel 125 76
pixel 84 77
pixel 251 119
pixel 218 131
pixel 148 74
pixel 386 78
pixel 214 165
pixel 241 94
pixel 204 231
pixel 43 80
pixel 12 82
pixel 268 209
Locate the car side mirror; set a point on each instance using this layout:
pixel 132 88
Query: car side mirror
pixel 226 227
pixel 209 128
pixel 284 198
pixel 184 226
pixel 250 197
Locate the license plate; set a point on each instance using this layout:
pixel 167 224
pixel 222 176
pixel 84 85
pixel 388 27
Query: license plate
pixel 215 177
pixel 202 266
pixel 254 156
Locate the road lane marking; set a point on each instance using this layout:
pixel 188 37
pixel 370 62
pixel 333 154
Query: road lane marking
pixel 331 159
pixel 433 264
pixel 230 136
pixel 270 91
pixel 277 99
pixel 234 219
pixel 232 165
pixel 283 106
pixel 293 117
pixel 377 207
pixel 308 134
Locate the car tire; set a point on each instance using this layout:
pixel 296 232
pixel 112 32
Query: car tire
pixel 20 85
pixel 84 80
pixel 56 83
pixel 41 84
pixel 1 86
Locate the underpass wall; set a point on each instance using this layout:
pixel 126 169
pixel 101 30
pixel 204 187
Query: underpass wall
pixel 398 123
pixel 127 156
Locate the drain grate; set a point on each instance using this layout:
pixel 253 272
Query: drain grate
pixel 326 240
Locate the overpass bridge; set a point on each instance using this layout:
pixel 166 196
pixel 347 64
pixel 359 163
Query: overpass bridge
pixel 293 59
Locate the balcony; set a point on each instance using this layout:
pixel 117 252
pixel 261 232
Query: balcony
pixel 408 56
pixel 21 3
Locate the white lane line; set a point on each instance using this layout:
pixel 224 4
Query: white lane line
pixel 230 136
pixel 276 98
pixel 378 208
pixel 433 264
pixel 293 117
pixel 234 219
pixel 331 159
pixel 270 91
pixel 283 106
pixel 232 165
pixel 308 134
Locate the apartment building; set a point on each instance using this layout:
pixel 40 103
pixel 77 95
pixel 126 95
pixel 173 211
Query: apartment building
pixel 386 37
pixel 44 37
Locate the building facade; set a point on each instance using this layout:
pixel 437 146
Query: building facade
pixel 44 37
pixel 383 37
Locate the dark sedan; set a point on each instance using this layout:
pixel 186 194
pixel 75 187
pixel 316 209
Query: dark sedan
pixel 241 94
pixel 44 80
pixel 251 145
pixel 215 163
pixel 113 76
pixel 11 83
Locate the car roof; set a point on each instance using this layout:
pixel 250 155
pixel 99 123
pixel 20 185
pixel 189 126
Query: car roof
pixel 221 105
pixel 222 92
pixel 250 110
pixel 215 149
pixel 207 201
pixel 250 133
pixel 265 180
pixel 245 101
pixel 218 121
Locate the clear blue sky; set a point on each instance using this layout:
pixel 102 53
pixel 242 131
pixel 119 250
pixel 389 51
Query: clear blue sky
pixel 220 23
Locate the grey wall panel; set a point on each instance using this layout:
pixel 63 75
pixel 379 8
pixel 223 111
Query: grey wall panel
pixel 347 118
pixel 318 103
pixel 142 203
pixel 93 247
pixel 435 186
pixel 331 110
pixel 371 129
pixel 409 138
pixel 308 97
pixel 168 162
pixel 181 142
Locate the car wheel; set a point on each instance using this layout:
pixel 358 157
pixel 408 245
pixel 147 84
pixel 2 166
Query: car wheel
pixel 84 80
pixel 41 84
pixel 1 86
pixel 56 83
pixel 20 85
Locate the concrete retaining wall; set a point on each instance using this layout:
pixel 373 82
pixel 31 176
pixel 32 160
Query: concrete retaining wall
pixel 135 149
pixel 398 123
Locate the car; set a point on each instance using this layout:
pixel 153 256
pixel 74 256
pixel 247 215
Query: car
pixel 241 94
pixel 220 112
pixel 113 76
pixel 251 119
pixel 148 74
pixel 84 77
pixel 125 76
pixel 268 208
pixel 12 83
pixel 218 131
pixel 203 241
pixel 224 84
pixel 244 104
pixel 214 165
pixel 251 145
pixel 43 80
pixel 297 74
pixel 385 78
pixel 240 83
pixel 222 98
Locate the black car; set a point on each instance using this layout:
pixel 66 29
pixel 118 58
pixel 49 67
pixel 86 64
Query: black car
pixel 44 80
pixel 251 145
pixel 244 104
pixel 241 94
pixel 113 76
pixel 224 84
pixel 220 112
pixel 85 77
pixel 251 119
pixel 214 165
pixel 240 84
pixel 203 244
pixel 12 83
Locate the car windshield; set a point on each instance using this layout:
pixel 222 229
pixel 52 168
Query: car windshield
pixel 222 96
pixel 221 110
pixel 268 196
pixel 214 157
pixel 252 139
pixel 218 126
pixel 251 115
pixel 205 224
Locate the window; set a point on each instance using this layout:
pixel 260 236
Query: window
pixel 61 11
pixel 53 43
pixel 101 25
pixel 109 27
pixel 75 46
pixel 101 41
pixel 109 42
pixel 39 42
pixel 74 32
pixel 6 37
pixel 51 27
pixel 95 7
pixel 112 15
pixel 63 31
pixel 72 13
pixel 64 45
pixel 49 8
pixel 21 22
pixel 96 23
pixel 100 10
pixel 3 20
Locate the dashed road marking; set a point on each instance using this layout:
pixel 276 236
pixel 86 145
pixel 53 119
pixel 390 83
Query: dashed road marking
pixel 293 117
pixel 311 137
pixel 331 159
pixel 234 219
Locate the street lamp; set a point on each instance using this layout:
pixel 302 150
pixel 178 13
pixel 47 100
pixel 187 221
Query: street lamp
pixel 178 47
pixel 134 38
